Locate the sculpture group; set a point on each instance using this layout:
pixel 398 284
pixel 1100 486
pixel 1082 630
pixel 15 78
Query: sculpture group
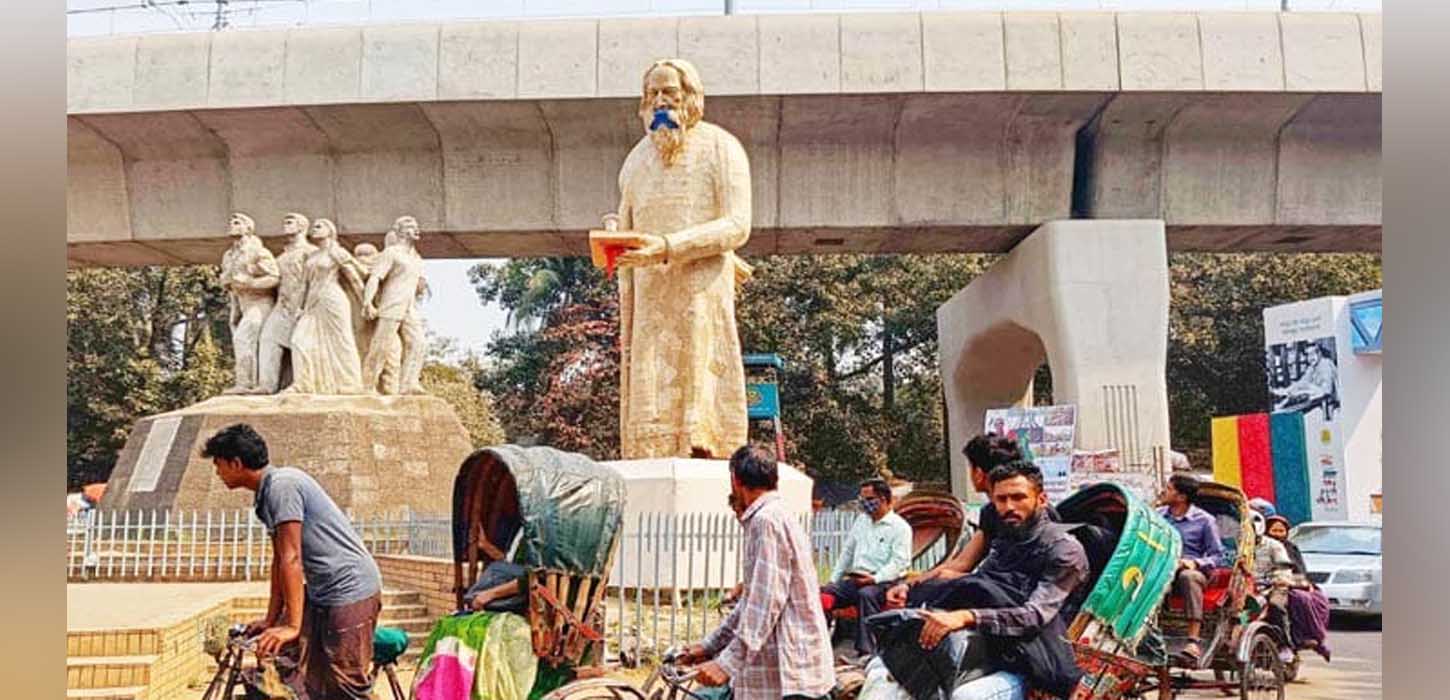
pixel 349 321
pixel 337 322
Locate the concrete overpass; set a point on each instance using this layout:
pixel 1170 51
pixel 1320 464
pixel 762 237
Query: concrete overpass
pixel 866 132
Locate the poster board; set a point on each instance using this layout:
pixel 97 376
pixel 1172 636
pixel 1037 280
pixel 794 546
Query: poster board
pixel 1302 358
pixel 1106 465
pixel 1047 435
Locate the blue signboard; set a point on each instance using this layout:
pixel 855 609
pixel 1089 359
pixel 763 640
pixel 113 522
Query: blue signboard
pixel 1366 322
pixel 762 401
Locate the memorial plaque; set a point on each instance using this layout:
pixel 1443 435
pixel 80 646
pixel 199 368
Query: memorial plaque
pixel 153 454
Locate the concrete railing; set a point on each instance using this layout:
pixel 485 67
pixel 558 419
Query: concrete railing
pixel 106 17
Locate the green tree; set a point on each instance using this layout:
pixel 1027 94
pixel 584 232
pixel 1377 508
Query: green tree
pixel 1216 328
pixel 858 334
pixel 555 370
pixel 138 341
pixel 448 373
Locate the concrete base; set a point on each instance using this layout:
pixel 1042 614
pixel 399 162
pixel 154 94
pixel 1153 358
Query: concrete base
pixel 1088 297
pixel 658 488
pixel 371 453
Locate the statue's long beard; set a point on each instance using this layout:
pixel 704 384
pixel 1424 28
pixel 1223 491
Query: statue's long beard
pixel 670 143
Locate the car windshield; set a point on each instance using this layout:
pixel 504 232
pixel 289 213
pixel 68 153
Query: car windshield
pixel 1338 540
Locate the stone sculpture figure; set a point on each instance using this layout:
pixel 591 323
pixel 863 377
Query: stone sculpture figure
pixel 686 187
pixel 394 284
pixel 324 348
pixel 249 275
pixel 291 292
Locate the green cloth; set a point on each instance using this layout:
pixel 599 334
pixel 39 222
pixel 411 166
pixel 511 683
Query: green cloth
pixel 389 643
pixel 1141 569
pixel 880 547
pixel 506 666
pixel 549 679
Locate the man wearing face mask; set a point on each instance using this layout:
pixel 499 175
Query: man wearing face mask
pixel 1016 596
pixel 774 644
pixel 877 552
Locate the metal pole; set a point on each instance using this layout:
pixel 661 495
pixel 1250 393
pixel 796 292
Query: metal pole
pixel 730 6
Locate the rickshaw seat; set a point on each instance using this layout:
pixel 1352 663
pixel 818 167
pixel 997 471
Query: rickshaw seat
pixel 1213 594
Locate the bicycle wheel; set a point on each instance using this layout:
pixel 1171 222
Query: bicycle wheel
pixel 1261 677
pixel 597 689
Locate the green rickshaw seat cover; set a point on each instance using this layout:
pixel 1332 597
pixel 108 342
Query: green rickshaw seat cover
pixel 1138 575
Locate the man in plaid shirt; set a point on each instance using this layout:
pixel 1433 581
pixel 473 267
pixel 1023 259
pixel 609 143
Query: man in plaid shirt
pixel 774 644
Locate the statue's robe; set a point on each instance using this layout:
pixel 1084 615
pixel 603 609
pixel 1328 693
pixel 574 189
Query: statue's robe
pixel 682 384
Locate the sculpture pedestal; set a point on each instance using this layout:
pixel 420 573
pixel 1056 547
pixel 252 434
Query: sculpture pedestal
pixel 686 501
pixel 373 454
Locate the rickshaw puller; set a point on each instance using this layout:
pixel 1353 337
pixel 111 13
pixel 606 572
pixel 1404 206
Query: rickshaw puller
pixel 774 644
pixel 333 621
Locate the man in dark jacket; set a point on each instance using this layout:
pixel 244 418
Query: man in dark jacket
pixel 1016 596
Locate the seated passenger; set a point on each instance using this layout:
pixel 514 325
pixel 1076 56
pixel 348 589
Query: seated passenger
pixel 877 551
pixel 1308 606
pixel 1015 597
pixel 499 586
pixel 984 453
pixel 1202 551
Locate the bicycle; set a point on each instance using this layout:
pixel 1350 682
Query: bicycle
pixel 229 662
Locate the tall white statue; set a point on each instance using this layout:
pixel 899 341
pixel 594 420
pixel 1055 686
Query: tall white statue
pixel 291 292
pixel 394 285
pixel 324 348
pixel 249 275
pixel 685 189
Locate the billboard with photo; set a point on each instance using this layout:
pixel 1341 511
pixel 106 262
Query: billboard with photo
pixel 1301 360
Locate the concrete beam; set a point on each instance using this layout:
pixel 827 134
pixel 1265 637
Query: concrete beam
pixel 866 133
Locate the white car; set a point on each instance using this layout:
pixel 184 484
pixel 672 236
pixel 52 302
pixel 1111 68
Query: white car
pixel 1346 561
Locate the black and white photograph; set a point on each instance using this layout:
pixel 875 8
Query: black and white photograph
pixel 1303 376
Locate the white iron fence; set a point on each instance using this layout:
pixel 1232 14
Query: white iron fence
pixel 221 545
pixel 669 573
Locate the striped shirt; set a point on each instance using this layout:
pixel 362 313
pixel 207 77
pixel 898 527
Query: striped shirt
pixel 775 643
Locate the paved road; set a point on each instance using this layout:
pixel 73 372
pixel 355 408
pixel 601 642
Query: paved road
pixel 1356 672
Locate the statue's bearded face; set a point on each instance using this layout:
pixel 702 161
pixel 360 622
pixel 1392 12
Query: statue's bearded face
pixel 668 111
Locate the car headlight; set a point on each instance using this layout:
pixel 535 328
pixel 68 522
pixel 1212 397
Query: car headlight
pixel 1354 576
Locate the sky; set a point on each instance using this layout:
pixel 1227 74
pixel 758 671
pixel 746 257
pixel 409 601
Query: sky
pixel 454 310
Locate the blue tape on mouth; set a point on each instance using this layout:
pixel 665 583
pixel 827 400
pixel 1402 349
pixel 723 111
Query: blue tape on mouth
pixel 662 118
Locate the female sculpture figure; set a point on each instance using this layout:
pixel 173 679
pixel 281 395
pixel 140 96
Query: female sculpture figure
pixel 324 347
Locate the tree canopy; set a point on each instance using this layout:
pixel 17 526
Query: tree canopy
pixel 138 342
pixel 861 390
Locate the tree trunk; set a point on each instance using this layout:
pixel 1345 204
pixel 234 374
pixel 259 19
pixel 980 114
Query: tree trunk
pixel 888 378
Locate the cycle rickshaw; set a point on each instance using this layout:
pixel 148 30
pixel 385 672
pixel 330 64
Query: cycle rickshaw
pixel 565 512
pixel 1129 628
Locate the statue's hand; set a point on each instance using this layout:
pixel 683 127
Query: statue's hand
pixel 652 253
pixel 370 312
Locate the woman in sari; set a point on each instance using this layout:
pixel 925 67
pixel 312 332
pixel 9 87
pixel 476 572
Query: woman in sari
pixel 1308 607
pixel 325 359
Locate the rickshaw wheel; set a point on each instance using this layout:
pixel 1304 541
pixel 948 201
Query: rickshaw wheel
pixel 1262 675
pixel 597 689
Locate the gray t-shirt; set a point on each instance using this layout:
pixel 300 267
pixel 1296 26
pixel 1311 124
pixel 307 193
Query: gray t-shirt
pixel 338 568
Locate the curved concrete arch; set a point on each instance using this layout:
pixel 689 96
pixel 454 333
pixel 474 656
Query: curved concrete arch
pixel 1088 297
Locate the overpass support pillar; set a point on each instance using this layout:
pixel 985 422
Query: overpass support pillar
pixel 1089 298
